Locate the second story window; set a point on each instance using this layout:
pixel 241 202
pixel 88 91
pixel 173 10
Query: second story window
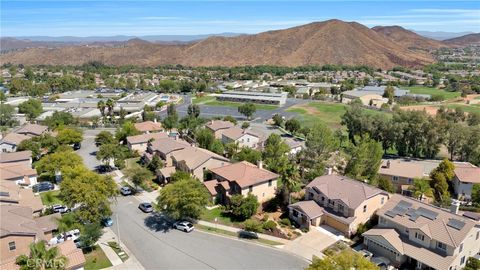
pixel 395 178
pixel 382 200
pixel 419 236
pixel 441 246
pixel 461 247
pixel 269 183
pixel 364 208
pixel 11 246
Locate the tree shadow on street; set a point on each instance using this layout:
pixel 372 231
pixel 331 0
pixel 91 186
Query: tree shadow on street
pixel 158 223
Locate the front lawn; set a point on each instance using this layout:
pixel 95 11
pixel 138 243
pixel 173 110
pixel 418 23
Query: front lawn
pixel 50 197
pixel 432 91
pixel 222 218
pixel 96 259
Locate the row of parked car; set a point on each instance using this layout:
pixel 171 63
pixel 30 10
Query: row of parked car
pixel 181 225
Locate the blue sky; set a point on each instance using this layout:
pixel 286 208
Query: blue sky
pixel 105 18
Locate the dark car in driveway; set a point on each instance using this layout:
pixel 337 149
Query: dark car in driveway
pixel 43 186
pixel 146 207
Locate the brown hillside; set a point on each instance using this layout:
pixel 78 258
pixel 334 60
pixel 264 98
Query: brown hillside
pixel 330 42
pixel 464 40
pixel 408 38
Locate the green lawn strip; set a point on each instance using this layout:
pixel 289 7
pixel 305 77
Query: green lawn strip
pixel 202 100
pixel 50 198
pixel 114 245
pixel 432 91
pixel 224 219
pixel 234 234
pixel 466 108
pixel 236 104
pixel 477 97
pixel 96 259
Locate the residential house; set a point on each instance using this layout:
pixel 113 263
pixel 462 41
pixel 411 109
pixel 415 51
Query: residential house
pixel 11 193
pixel 19 173
pixel 10 142
pixel 197 161
pixel 32 130
pixel 19 229
pixel 218 127
pixel 463 181
pixel 242 178
pixel 164 148
pixel 423 236
pixel 339 202
pixel 244 137
pixel 140 142
pixel 22 157
pixel 149 126
pixel 295 145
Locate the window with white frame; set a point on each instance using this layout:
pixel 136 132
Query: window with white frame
pixel 11 246
pixel 419 236
pixel 441 246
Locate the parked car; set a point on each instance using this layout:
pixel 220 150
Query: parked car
pixel 72 235
pixel 146 207
pixel 62 209
pixel 77 146
pixel 382 262
pixel 183 226
pixel 107 222
pixel 60 238
pixel 43 186
pixel 77 243
pixel 365 253
pixel 125 191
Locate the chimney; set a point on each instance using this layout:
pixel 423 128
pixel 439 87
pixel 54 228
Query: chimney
pixel 260 164
pixel 155 120
pixel 388 164
pixel 328 170
pixel 455 206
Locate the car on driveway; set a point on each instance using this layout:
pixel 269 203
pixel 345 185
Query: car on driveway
pixel 43 186
pixel 125 191
pixel 183 226
pixel 62 209
pixel 146 207
pixel 107 222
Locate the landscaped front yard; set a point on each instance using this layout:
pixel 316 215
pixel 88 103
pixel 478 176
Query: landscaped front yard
pixel 50 198
pixel 96 259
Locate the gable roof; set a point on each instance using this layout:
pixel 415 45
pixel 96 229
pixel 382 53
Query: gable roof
pixel 219 124
pixel 148 126
pixel 244 173
pixel 432 221
pixel 10 171
pixel 14 138
pixel 14 194
pixel 167 145
pixel 75 257
pixel 194 157
pixel 468 174
pixel 236 133
pixel 309 208
pixel 15 156
pixel 351 192
pixel 32 129
pixel 144 138
pixel 19 220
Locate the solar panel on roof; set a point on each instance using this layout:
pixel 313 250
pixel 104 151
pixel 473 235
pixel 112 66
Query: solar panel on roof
pixel 427 213
pixel 404 204
pixel 410 212
pixel 455 223
pixel 390 213
pixel 414 216
pixel 399 210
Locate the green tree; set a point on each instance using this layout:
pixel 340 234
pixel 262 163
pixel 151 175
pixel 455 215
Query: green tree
pixel 252 225
pixel 472 264
pixel 365 159
pixel 110 104
pixel 447 168
pixel 389 93
pixel 58 161
pixel 107 153
pixel 440 186
pixel 230 118
pixel 104 137
pixel 101 106
pixel 204 138
pixel 420 188
pixel 155 164
pixel 30 145
pixel 90 234
pixel 344 260
pixel 180 175
pixel 138 175
pixel 476 194
pixel 245 125
pixel 69 136
pixel 91 191
pixel 126 130
pixel 58 119
pixel 292 125
pixel 183 199
pixel 42 258
pixel 6 115
pixel 243 207
pixel 193 110
pixel 247 154
pixel 277 120
pixel 247 109
pixel 275 153
pixel 32 108
pixel 217 147
pixel 386 184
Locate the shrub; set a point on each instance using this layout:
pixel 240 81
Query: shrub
pixel 243 207
pixel 265 217
pixel 269 225
pixel 305 230
pixel 252 225
pixel 285 222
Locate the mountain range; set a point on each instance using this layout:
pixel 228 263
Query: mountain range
pixel 328 42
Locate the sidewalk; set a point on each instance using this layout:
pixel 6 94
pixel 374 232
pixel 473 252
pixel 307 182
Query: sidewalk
pixel 143 196
pixel 236 230
pixel 117 263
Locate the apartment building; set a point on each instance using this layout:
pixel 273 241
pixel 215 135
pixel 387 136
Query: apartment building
pixel 423 236
pixel 339 202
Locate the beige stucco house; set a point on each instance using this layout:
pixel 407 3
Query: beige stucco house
pixel 197 161
pixel 218 127
pixel 465 178
pixel 140 142
pixel 339 202
pixel 244 137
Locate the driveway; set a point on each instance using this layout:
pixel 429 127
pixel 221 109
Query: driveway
pixel 89 149
pixel 312 243
pixel 157 246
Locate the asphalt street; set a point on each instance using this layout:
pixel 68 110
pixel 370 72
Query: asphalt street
pixel 157 246
pixel 89 149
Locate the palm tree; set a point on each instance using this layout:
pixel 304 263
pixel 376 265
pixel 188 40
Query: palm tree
pixel 110 104
pixel 101 107
pixel 420 188
pixel 41 258
pixel 290 178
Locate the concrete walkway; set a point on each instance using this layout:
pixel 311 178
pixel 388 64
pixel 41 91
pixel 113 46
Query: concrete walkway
pixel 117 263
pixel 236 230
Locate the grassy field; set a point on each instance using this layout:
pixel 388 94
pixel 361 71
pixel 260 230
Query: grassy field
pixel 477 97
pixel 96 259
pixel 466 108
pixel 211 101
pixel 432 91
pixel 50 198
